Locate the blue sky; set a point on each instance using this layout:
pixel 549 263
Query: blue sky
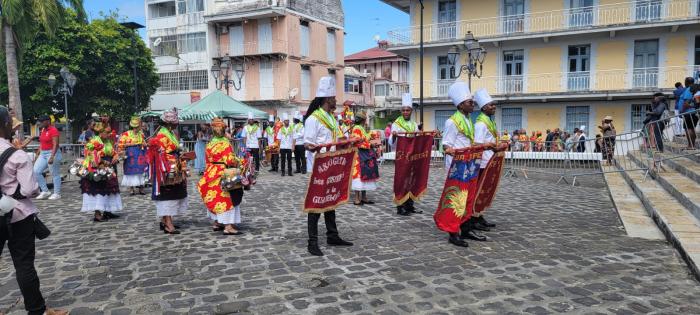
pixel 363 19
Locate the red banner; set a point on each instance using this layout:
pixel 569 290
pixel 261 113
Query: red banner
pixel 329 185
pixel 457 200
pixel 412 166
pixel 489 178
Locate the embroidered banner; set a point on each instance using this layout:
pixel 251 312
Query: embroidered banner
pixel 458 196
pixel 329 185
pixel 136 160
pixel 489 179
pixel 412 167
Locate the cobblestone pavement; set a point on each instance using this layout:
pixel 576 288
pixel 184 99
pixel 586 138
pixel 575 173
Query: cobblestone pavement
pixel 556 249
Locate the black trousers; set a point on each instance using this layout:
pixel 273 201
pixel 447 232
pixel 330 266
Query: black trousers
pixel 275 161
pixel 22 251
pixel 255 152
pixel 658 138
pixel 286 157
pixel 331 228
pixel 300 158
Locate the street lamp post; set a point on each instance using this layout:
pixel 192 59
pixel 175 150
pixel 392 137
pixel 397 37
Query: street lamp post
pixel 134 26
pixel 475 62
pixel 420 100
pixel 223 66
pixel 67 90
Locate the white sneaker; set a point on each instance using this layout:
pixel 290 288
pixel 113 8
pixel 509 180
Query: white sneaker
pixel 55 197
pixel 43 195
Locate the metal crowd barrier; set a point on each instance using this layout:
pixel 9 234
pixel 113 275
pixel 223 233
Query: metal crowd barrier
pixel 672 137
pixel 568 160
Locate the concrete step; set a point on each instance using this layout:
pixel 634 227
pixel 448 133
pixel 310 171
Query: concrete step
pixel 682 188
pixel 680 227
pixel 635 219
pixel 685 165
pixel 680 149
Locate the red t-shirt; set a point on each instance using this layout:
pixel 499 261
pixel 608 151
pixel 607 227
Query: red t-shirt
pixel 46 138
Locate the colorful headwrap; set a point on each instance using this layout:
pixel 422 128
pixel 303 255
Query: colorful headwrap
pixel 135 122
pixel 99 127
pixel 170 116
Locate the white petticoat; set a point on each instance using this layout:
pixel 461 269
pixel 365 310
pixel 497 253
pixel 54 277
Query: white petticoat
pixel 358 184
pixel 133 180
pixel 232 216
pixel 109 203
pixel 171 207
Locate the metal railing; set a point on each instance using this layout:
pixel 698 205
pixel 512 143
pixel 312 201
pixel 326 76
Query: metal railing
pixel 562 82
pixel 594 17
pixel 672 137
pixel 570 159
pixel 268 46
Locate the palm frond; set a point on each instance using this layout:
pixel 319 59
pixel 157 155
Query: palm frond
pixel 48 14
pixel 76 5
pixel 13 10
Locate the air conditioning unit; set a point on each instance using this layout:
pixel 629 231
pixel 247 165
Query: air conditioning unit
pixel 223 29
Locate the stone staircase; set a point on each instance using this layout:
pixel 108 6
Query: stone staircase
pixel 665 199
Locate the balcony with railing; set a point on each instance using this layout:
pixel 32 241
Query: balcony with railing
pixel 260 47
pixel 600 17
pixel 620 81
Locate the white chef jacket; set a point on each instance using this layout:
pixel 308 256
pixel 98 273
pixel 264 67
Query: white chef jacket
pixel 454 139
pixel 251 140
pixel 299 134
pixel 286 142
pixel 395 128
pixel 317 134
pixel 482 135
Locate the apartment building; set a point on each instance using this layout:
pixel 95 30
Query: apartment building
pixel 554 63
pixel 384 76
pixel 283 47
pixel 178 38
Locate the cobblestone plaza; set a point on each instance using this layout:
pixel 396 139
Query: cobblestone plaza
pixel 556 249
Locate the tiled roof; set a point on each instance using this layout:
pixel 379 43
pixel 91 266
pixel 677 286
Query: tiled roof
pixel 372 53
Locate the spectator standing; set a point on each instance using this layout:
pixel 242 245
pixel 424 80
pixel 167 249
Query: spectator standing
pixel 17 181
pixel 658 107
pixel 49 157
pixel 688 110
pixel 581 143
pixel 677 121
pixel 609 133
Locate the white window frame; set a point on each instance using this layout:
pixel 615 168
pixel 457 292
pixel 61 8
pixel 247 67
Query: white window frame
pixel 575 117
pixel 305 82
pixel 184 81
pixel 330 45
pixel 508 117
pixel 304 33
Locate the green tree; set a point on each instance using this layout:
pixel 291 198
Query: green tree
pixel 20 21
pixel 100 55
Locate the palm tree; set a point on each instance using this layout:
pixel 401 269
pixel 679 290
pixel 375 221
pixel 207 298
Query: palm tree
pixel 20 19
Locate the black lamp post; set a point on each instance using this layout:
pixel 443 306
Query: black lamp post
pixel 475 62
pixel 223 66
pixel 134 26
pixel 420 99
pixel 67 90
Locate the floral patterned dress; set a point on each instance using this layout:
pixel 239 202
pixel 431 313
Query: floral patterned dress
pixel 164 151
pixel 219 156
pixel 100 193
pixel 365 171
pixel 132 144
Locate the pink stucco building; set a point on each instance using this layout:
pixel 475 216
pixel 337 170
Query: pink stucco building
pixel 284 47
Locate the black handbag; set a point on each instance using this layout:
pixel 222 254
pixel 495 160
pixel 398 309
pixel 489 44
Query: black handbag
pixel 40 230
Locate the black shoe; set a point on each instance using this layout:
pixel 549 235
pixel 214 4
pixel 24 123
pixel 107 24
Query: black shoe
pixel 303 172
pixel 110 215
pixel 401 211
pixel 297 171
pixel 485 223
pixel 314 250
pixel 162 226
pixel 473 235
pixel 171 232
pixel 457 241
pixel 232 233
pixel 338 242
pixel 283 174
pixel 290 173
pixel 480 227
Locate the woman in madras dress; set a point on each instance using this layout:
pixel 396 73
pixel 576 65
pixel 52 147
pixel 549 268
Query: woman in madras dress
pixel 132 145
pixel 168 172
pixel 100 187
pixel 223 205
pixel 365 167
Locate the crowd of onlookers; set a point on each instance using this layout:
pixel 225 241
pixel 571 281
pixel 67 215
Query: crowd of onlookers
pixel 555 140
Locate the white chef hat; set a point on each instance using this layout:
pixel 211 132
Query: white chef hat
pixel 271 118
pixel 407 100
pixel 250 115
pixel 459 92
pixel 326 87
pixel 285 116
pixel 340 117
pixel 482 97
